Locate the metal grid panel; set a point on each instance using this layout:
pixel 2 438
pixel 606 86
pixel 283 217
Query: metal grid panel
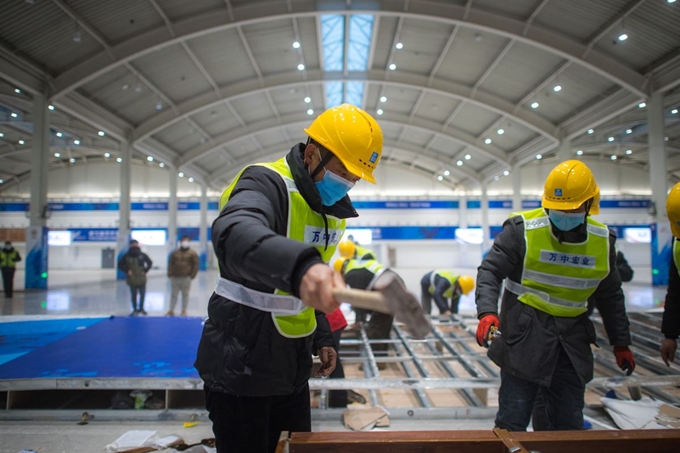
pixel 470 55
pixel 519 71
pixel 520 9
pixel 474 120
pixel 119 20
pixel 579 19
pixel 174 73
pixel 652 34
pixel 45 34
pixel 272 45
pixel 181 9
pixel 423 41
pixel 223 57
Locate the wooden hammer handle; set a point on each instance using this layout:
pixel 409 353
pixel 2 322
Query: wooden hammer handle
pixel 368 300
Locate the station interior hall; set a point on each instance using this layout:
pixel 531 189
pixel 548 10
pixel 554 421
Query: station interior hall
pixel 127 119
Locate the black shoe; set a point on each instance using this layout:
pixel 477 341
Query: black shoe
pixel 134 312
pixel 141 311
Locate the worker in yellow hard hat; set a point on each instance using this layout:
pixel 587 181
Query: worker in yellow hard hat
pixel 279 225
pixel 445 288
pixel 551 260
pixel 350 249
pixel 670 326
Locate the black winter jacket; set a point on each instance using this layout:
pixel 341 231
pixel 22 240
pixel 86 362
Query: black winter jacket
pixel 530 341
pixel 240 351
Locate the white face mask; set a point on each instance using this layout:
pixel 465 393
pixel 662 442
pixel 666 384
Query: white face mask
pixel 184 244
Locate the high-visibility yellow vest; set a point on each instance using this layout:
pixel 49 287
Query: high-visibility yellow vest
pixel 372 266
pixel 363 253
pixel 304 225
pixel 451 277
pixel 7 259
pixel 559 278
pixel 676 254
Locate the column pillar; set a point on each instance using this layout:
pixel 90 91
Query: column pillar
pixel 36 234
pixel 124 205
pixel 486 244
pixel 203 229
pixel 172 212
pixel 658 164
pixel 462 212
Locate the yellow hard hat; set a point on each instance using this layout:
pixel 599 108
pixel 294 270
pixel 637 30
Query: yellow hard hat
pixel 352 135
pixel 673 209
pixel 347 249
pixel 466 283
pixel 337 265
pixel 569 185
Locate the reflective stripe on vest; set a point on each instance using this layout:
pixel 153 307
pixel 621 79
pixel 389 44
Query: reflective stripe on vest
pixel 291 317
pixel 559 278
pixel 372 266
pixel 451 277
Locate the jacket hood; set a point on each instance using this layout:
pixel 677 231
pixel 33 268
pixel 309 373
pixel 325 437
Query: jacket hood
pixel 343 209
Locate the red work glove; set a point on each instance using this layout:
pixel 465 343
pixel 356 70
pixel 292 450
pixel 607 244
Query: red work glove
pixel 485 324
pixel 624 359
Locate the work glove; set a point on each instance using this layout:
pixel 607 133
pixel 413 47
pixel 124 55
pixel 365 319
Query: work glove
pixel 485 323
pixel 624 359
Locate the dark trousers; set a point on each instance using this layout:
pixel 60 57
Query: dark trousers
pixel 133 295
pixel 337 398
pixel 560 406
pixel 8 280
pixel 425 296
pixel 253 424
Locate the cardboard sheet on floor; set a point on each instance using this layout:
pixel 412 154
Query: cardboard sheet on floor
pixel 131 441
pixel 640 414
pixel 365 419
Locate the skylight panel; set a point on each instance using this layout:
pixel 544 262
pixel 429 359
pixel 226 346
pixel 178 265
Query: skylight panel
pixel 360 35
pixel 354 93
pixel 333 42
pixel 334 94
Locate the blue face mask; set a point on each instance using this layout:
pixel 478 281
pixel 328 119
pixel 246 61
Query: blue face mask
pixel 332 188
pixel 566 221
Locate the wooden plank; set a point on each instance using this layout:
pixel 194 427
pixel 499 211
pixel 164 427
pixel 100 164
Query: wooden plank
pixel 628 441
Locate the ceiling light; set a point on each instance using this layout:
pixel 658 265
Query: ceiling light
pixel 17 91
pixel 1 181
pixel 191 179
pixel 107 155
pixel 629 151
pixel 506 173
pixel 623 37
pixel 51 107
pixel 399 46
pixel 642 105
pixel 468 157
pixel 557 88
pixel 21 142
pixel 500 131
pixel 674 112
pixel 76 35
pixel 440 177
pixel 487 141
pixel 149 158
pixel 665 139
pixel 671 1
pixel 125 87
pixel 159 106
pixel 76 142
pixel 308 100
pixel 534 105
pixel 539 156
pixel 393 67
pixel 57 154
pixel 310 112
pixel 72 160
pixel 629 131
pixel 59 134
pixel 613 157
pixel 384 99
pixel 119 159
pixel 447 173
pixel 13 115
pixel 579 152
pixel 459 163
pixel 138 88
pixel 301 67
pixel 610 139
pixel 590 131
pixel 181 175
pixel 379 111
pixel 2 134
pixel 161 165
pixel 101 133
pixel 296 45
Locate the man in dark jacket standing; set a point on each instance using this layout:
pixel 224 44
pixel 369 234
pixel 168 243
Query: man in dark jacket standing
pixel 8 259
pixel 182 268
pixel 136 264
pixel 552 260
pixel 279 225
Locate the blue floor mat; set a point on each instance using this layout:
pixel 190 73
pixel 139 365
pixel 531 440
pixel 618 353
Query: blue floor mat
pixel 126 347
pixel 22 337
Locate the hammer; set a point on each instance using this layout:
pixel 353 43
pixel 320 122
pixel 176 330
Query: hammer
pixel 389 296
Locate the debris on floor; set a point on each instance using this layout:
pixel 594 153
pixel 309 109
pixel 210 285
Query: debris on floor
pixel 136 441
pixel 643 414
pixel 365 419
pixel 131 440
